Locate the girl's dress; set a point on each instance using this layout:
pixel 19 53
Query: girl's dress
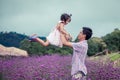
pixel 54 37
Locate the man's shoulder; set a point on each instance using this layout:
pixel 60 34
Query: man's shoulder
pixel 80 44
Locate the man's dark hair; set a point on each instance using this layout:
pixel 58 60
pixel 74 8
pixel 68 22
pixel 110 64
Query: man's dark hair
pixel 64 17
pixel 88 32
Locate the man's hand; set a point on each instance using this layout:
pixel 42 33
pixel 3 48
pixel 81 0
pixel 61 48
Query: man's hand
pixel 68 37
pixel 65 42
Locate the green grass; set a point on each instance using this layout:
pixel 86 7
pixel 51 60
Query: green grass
pixel 114 57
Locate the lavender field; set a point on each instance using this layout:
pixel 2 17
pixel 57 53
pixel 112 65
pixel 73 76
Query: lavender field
pixel 53 67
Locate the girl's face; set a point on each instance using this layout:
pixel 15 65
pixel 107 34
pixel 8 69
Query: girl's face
pixel 68 21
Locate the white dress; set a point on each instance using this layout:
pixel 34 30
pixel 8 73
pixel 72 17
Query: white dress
pixel 54 37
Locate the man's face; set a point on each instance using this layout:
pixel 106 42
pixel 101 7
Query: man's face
pixel 81 36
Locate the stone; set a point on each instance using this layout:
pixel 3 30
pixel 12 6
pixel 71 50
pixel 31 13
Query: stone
pixel 12 51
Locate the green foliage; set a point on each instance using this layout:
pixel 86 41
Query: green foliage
pixel 1 76
pixel 95 45
pixel 35 48
pixel 113 40
pixel 115 57
pixel 31 47
pixel 11 38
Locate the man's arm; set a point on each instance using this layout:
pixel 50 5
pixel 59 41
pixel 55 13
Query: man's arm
pixel 65 42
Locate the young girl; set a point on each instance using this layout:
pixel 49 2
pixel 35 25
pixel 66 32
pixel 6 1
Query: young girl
pixel 54 37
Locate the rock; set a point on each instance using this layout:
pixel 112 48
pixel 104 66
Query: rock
pixel 12 51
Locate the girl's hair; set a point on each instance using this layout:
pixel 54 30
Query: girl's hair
pixel 64 17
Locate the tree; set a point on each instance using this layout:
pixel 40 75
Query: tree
pixel 95 45
pixel 10 39
pixel 113 40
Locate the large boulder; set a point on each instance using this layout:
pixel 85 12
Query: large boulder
pixel 12 51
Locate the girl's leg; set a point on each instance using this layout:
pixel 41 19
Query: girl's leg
pixel 44 43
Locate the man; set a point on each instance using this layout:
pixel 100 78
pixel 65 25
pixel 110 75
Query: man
pixel 80 48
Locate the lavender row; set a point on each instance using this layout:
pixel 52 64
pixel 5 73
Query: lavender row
pixel 53 67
